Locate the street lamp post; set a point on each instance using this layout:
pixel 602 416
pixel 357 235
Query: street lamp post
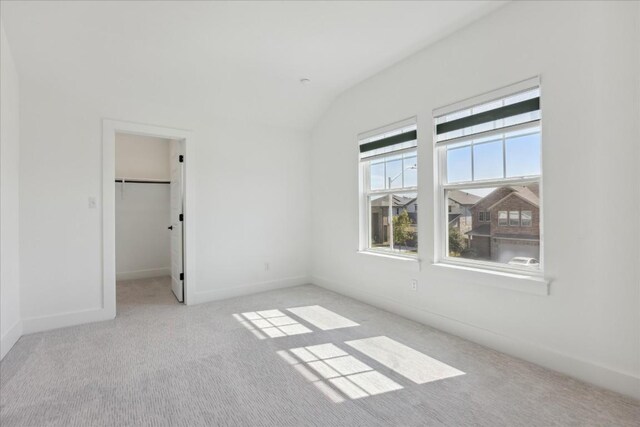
pixel 400 174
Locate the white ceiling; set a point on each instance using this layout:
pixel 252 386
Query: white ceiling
pixel 234 59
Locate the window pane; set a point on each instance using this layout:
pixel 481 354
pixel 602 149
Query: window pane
pixel 487 237
pixel 394 172
pixel 522 118
pixel 523 96
pixel 379 220
pixel 523 155
pixel 459 164
pixel 464 220
pixel 503 218
pixel 410 167
pixel 487 160
pixel 376 176
pixel 405 222
pixel 492 105
pixel 526 218
pixel 514 218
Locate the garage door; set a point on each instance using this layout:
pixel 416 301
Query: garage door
pixel 508 249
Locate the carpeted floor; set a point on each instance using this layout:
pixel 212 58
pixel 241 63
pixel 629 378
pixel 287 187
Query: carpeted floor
pixel 161 363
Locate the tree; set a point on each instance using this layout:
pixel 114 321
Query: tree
pixel 456 241
pixel 402 229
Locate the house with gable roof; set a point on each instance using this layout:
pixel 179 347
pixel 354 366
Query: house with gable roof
pixel 506 224
pixel 459 205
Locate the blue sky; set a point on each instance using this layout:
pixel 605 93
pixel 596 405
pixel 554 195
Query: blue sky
pixel 522 159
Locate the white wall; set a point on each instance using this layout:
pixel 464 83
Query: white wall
pixel 142 238
pixel 250 204
pixel 142 157
pixel 10 324
pixel 587 56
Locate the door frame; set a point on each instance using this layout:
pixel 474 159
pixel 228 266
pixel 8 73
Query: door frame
pixel 109 130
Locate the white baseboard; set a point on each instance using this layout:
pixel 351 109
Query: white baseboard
pixel 621 382
pixel 46 323
pixel 11 337
pixel 143 274
pixel 238 291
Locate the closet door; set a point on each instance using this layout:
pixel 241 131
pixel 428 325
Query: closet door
pixel 177 220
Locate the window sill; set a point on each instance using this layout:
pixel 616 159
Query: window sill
pixel 519 281
pixel 411 261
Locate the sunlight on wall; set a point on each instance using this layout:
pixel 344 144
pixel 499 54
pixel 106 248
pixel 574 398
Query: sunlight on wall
pixel 412 364
pixel 322 318
pixel 331 369
pixel 272 323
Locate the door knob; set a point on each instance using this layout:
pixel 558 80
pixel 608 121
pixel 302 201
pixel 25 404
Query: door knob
pixel 170 227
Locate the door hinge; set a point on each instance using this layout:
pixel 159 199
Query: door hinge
pixel 181 158
pixel 181 276
pixel 181 217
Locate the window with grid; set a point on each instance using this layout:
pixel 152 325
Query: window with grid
pixel 488 148
pixel 389 179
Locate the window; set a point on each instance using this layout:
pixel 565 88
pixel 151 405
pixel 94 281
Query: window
pixel 514 218
pixel 389 180
pixel 488 148
pixel 503 218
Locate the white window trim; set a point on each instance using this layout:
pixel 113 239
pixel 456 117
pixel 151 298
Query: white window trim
pixel 511 280
pixel 488 96
pixel 441 256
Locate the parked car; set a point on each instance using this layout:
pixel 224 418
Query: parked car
pixel 524 261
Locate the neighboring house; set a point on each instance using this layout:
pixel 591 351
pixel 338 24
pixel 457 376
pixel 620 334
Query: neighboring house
pixel 459 207
pixel 506 224
pixel 380 218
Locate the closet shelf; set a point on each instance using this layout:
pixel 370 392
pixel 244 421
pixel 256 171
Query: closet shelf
pixel 142 181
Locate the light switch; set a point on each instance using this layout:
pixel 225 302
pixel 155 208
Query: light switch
pixel 92 202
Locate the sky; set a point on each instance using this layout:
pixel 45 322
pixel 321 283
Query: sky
pixel 522 159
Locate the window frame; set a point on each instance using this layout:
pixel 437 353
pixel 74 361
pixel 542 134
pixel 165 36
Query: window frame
pixel 365 222
pixel 441 250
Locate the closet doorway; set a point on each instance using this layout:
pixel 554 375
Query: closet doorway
pixel 145 216
pixel 149 216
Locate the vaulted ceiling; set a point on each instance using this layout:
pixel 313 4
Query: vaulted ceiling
pixel 235 59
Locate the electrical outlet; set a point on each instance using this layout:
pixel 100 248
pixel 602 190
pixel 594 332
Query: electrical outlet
pixel 414 285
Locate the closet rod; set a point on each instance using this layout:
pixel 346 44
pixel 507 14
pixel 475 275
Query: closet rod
pixel 141 181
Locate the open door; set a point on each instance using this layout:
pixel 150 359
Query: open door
pixel 177 219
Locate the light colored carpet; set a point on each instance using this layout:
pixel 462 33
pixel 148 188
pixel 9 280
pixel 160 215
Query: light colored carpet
pixel 160 363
